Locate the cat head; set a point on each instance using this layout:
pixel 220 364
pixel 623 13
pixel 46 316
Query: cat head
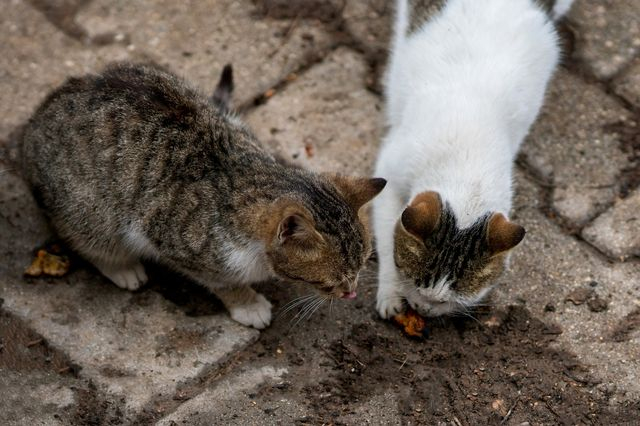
pixel 319 237
pixel 449 269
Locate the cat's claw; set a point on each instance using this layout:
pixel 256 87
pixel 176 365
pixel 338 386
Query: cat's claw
pixel 256 314
pixel 131 278
pixel 389 305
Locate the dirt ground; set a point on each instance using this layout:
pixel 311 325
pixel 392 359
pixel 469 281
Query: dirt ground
pixel 504 356
pixel 505 364
pixel 496 366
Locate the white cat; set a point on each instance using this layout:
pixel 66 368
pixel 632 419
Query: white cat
pixel 462 88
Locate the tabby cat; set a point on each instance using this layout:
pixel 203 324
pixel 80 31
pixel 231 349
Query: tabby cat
pixel 133 164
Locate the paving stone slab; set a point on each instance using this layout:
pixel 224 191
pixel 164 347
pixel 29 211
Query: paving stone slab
pixel 370 21
pixel 134 346
pixel 562 281
pixel 197 38
pixel 35 398
pixel 229 402
pixel 627 84
pixel 616 232
pixel 571 147
pixel 608 34
pixel 325 120
pixel 35 57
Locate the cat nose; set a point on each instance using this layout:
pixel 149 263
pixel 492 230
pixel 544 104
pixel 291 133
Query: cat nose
pixel 349 295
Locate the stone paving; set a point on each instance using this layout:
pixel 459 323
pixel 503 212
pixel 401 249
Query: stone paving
pixel 307 81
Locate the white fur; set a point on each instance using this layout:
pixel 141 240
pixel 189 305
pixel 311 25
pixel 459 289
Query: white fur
pixel 462 92
pixel 130 277
pixel 247 263
pixel 139 243
pixel 256 314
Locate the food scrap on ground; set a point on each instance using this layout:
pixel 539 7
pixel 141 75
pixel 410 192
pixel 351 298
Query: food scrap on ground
pixel 308 149
pixel 49 262
pixel 412 324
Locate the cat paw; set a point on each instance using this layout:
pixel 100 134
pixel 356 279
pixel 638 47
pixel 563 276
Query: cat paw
pixel 389 304
pixel 256 314
pixel 131 278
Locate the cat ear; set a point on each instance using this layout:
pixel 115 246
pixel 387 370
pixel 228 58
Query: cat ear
pixel 357 191
pixel 222 94
pixel 503 235
pixel 422 216
pixel 296 227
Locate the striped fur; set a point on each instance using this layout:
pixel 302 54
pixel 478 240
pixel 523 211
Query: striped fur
pixel 134 164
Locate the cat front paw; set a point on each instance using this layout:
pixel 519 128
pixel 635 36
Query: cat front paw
pixel 256 314
pixel 129 278
pixel 389 304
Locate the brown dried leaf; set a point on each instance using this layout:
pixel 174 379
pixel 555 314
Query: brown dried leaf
pixel 499 406
pixel 48 264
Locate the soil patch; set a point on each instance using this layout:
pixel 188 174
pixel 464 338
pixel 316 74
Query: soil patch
pixel 627 327
pixel 498 368
pixel 21 349
pixel 630 142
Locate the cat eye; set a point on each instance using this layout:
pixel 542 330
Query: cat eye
pixel 295 278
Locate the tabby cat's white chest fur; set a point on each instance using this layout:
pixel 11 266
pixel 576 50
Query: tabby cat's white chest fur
pixel 462 91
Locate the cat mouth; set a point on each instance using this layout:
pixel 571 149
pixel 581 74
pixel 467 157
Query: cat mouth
pixel 339 294
pixel 431 309
pixel 351 295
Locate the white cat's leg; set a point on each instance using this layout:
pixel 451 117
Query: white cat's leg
pixel 129 276
pixel 246 306
pixel 386 212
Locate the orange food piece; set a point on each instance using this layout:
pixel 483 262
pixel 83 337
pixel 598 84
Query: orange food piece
pixel 411 323
pixel 308 149
pixel 48 264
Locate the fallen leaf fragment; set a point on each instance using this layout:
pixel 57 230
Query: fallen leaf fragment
pixel 499 406
pixel 48 264
pixel 412 323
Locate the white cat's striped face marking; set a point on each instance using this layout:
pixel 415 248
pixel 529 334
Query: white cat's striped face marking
pixel 448 270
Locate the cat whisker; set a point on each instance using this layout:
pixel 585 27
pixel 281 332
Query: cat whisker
pixel 316 308
pixel 299 303
pixel 310 309
pixel 468 315
pixel 296 300
pixel 294 303
pixel 306 307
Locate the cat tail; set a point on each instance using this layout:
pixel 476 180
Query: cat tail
pixel 222 94
pixel 560 8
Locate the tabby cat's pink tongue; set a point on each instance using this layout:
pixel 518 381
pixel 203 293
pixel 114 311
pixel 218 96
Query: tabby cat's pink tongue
pixel 351 295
